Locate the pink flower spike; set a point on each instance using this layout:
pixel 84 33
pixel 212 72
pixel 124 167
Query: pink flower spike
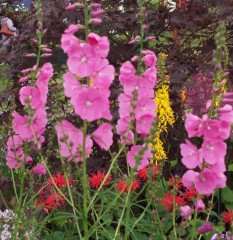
pixel 23 79
pixel 95 20
pixel 97 13
pixel 185 211
pixel 39 169
pixel 72 29
pixel 103 136
pixel 30 95
pixel 199 205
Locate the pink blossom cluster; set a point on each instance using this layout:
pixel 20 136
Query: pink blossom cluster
pixel 30 127
pixel 136 105
pixel 87 85
pixel 206 164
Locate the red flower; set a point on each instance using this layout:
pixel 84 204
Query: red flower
pixel 60 180
pixel 97 178
pixel 167 201
pixel 147 172
pixel 174 183
pixel 54 201
pixel 227 217
pixel 123 186
pixel 189 194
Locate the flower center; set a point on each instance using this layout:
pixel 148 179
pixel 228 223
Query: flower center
pixel 88 103
pixel 84 59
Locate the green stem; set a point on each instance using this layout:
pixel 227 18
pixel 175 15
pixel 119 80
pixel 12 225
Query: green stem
pixel 19 205
pixel 174 212
pixel 194 225
pixel 84 183
pixel 86 18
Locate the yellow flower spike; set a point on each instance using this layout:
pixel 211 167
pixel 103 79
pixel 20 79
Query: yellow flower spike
pixel 164 111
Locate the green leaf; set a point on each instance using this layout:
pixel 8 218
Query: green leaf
pixel 107 219
pixel 227 195
pixel 139 236
pixel 230 167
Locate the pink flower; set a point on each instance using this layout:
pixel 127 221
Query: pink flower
pixel 90 104
pixel 185 211
pixel 189 178
pixel 199 205
pixel 71 141
pixel 82 61
pixel 103 136
pixel 144 124
pixel 103 74
pixel 213 151
pixel 192 123
pixel 70 44
pixel 209 128
pixel 205 182
pixel 150 77
pixel 96 5
pixel 28 128
pixel 205 227
pixel 123 125
pixel 72 29
pixel 14 142
pixel 71 85
pixel 150 60
pixel 23 79
pixel 145 106
pixel 30 96
pixel 127 138
pixel 95 20
pixel 190 155
pixel 127 73
pixel 100 45
pixel 144 158
pixel 97 13
pixel 15 159
pixel 39 169
pixel 44 75
pixel 226 113
pixel 139 84
pixel 124 105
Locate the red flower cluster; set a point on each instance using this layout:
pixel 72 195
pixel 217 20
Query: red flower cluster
pixel 123 186
pixel 227 217
pixel 148 172
pixel 174 183
pixel 49 198
pixel 96 179
pixel 167 201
